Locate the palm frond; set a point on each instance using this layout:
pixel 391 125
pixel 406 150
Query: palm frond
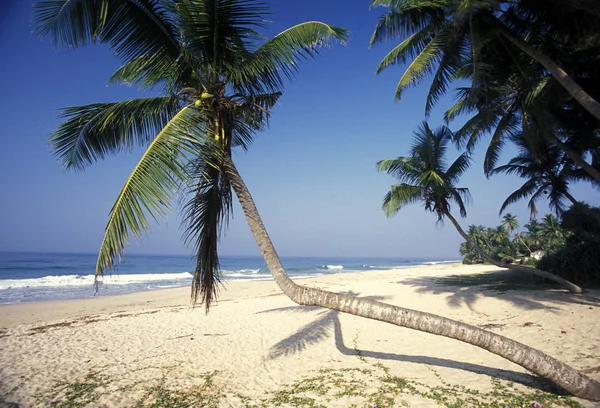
pixel 407 17
pixel 91 132
pixel 132 28
pixel 458 167
pixel 205 215
pixel 405 169
pixel 146 72
pixel 281 54
pixel 399 196
pixel 150 187
pixel 460 196
pixel 506 127
pixel 218 33
pixel 522 192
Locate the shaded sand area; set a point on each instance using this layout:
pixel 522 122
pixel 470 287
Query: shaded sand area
pixel 257 348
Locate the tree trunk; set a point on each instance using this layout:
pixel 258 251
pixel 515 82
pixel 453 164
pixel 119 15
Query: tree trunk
pixel 547 275
pixel 525 356
pixel 577 158
pixel 582 207
pixel 577 92
pixel 523 242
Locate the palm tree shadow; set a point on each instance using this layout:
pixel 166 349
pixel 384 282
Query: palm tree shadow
pixel 320 330
pixel 526 292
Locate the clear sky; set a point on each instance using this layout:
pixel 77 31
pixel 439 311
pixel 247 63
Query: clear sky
pixel 312 174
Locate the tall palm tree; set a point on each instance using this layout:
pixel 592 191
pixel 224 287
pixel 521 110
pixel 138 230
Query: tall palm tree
pixel 219 86
pixel 438 34
pixel 425 178
pixel 546 170
pixel 218 78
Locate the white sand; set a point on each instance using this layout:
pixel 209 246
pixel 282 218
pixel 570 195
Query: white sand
pixel 259 341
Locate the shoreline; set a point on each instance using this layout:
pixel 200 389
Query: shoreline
pixel 40 311
pixel 255 342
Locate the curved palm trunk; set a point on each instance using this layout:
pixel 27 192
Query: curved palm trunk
pixel 525 356
pixel 576 91
pixel 577 158
pixel 547 275
pixel 582 207
pixel 523 242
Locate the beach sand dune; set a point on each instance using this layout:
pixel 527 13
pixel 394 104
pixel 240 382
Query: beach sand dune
pixel 256 342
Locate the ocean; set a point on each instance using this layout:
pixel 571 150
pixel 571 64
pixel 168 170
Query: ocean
pixel 34 277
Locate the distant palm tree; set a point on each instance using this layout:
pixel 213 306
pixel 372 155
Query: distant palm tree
pixel 511 223
pixel 426 179
pixel 438 35
pixel 551 228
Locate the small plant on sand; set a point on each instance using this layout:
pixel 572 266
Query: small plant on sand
pixel 75 394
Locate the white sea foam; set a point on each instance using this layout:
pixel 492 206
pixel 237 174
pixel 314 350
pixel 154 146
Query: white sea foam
pixel 86 280
pixel 440 262
pixel 333 267
pixel 248 271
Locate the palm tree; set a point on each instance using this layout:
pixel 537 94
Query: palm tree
pixel 546 170
pixel 481 42
pixel 506 99
pixel 437 35
pixel 511 223
pixel 218 79
pixel 219 87
pixel 425 178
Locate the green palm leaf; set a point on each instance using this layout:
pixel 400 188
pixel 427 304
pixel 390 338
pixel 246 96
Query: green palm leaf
pixel 205 214
pixel 132 28
pixel 91 132
pixel 280 55
pixel 399 196
pixel 149 189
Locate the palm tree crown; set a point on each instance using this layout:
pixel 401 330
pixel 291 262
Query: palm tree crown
pixel 218 77
pixel 547 171
pixel 424 175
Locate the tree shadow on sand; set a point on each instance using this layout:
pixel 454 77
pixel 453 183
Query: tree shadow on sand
pixel 523 291
pixel 328 321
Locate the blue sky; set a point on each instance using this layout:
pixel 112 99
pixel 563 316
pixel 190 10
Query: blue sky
pixel 312 174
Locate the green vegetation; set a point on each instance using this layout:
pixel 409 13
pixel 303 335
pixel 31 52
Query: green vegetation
pixel 365 386
pixel 531 69
pixel 578 258
pixel 568 248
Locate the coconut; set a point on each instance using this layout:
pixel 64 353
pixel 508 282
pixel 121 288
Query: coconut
pixel 198 103
pixel 206 95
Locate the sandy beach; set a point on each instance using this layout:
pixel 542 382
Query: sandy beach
pixel 256 344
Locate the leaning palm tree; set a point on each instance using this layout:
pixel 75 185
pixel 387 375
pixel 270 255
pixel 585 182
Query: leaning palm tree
pixel 218 80
pixel 511 223
pixel 425 178
pixel 218 87
pixel 437 35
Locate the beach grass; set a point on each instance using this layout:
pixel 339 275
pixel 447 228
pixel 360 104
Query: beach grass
pixel 366 385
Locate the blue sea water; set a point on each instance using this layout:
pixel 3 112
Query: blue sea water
pixel 33 277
